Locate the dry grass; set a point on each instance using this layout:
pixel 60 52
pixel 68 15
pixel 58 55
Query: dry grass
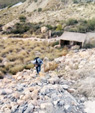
pixel 16 69
pixel 18 53
pixel 86 87
pixel 50 66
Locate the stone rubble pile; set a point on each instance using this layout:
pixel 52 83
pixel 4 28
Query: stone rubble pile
pixel 79 65
pixel 53 91
pixel 27 93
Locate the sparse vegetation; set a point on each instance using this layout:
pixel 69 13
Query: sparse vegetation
pixel 59 27
pixel 5 3
pixel 39 9
pixel 81 26
pixel 20 28
pixel 35 0
pixel 72 22
pixel 91 24
pixel 56 33
pixel 49 27
pixel 19 53
pixel 75 1
pixel 23 26
pixel 22 18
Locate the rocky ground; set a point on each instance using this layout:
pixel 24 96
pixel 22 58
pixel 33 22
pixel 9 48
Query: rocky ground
pixel 68 89
pixel 26 93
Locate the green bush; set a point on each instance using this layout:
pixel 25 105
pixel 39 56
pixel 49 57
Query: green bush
pixel 73 29
pixel 83 26
pixel 56 33
pixel 82 29
pixel 72 22
pixel 35 0
pixel 88 46
pixel 49 27
pixel 75 1
pixel 34 27
pixel 22 18
pixel 20 28
pixel 82 21
pixel 91 24
pixel 59 27
pixel 55 43
pixel 35 10
pixel 39 9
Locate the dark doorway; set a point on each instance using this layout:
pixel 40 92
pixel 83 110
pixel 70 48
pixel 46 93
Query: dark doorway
pixel 64 42
pixel 69 43
pixel 78 43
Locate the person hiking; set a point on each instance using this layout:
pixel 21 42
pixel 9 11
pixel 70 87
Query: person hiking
pixel 38 62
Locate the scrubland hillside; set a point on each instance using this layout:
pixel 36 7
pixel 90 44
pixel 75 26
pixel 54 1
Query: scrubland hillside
pixel 49 11
pixel 6 3
pixel 66 83
pixel 16 55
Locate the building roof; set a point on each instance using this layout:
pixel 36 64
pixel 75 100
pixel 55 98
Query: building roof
pixel 72 36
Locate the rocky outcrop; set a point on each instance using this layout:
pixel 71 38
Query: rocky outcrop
pixel 63 90
pixel 26 93
pixel 79 65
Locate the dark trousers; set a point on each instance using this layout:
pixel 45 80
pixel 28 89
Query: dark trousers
pixel 38 69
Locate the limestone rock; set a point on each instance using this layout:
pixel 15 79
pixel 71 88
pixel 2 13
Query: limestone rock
pixel 43 29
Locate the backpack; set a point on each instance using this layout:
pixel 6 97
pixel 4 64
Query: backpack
pixel 38 61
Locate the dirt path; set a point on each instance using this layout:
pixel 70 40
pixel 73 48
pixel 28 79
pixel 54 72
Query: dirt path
pixel 33 39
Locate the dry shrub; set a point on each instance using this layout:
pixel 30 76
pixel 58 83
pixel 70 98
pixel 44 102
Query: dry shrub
pixel 65 51
pixel 21 52
pixel 11 57
pixel 28 59
pixel 50 66
pixel 8 49
pixel 46 43
pixel 21 57
pixel 2 69
pixel 86 87
pixel 53 65
pixel 16 69
pixel 9 65
pixel 15 56
pixel 37 49
pixel 25 36
pixel 29 66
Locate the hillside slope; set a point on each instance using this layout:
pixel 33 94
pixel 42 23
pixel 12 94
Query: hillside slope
pixel 5 3
pixel 63 90
pixel 48 11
